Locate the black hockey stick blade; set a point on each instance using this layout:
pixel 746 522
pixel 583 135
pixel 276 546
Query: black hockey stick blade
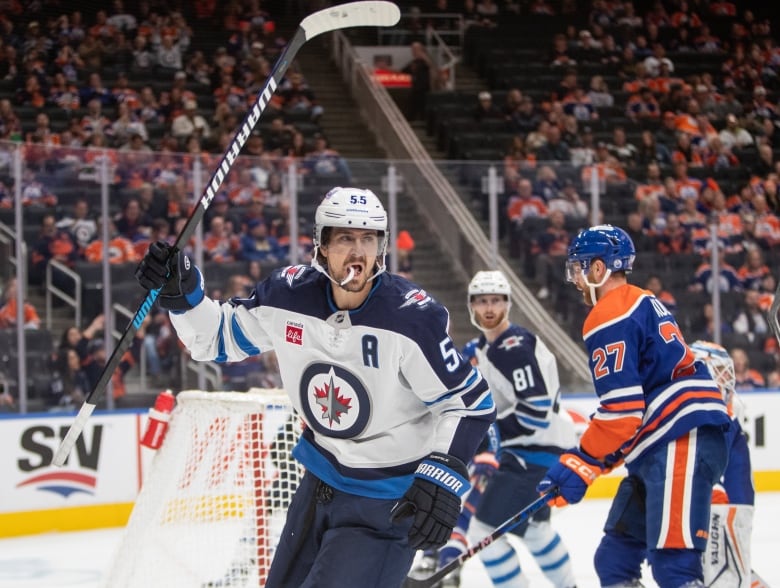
pixel 502 529
pixel 377 13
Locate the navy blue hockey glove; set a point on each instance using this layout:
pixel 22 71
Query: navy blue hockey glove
pixel 434 500
pixel 574 472
pixel 180 281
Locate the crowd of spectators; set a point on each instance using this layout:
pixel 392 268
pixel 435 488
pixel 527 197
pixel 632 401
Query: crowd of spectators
pixel 674 148
pixel 673 106
pixel 143 90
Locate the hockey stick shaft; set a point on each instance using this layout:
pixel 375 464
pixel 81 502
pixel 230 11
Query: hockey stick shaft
pixel 502 529
pixel 353 14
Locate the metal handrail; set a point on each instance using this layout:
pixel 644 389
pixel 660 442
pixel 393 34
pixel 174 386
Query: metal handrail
pixel 52 291
pixel 117 334
pixel 470 247
pixel 211 371
pixel 8 237
pixel 382 33
pixel 444 57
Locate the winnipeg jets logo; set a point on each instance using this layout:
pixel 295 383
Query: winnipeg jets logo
pixel 335 402
pixel 292 273
pixel 510 342
pixel 332 402
pixel 416 297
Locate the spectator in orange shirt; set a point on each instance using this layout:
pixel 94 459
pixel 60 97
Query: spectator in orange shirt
pixel 522 206
pixel 653 184
pixel 686 152
pixel 684 16
pixel 52 243
pixel 9 308
pixel 120 249
pixel 767 223
pixel 643 106
pixel 674 238
pixel 219 244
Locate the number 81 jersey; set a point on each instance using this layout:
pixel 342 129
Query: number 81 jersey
pixel 523 375
pixel 650 386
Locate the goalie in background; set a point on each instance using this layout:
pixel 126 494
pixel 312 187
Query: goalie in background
pixel 392 411
pixel 659 410
pixel 727 557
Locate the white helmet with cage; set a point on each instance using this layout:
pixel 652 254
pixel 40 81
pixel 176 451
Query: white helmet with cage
pixel 352 208
pixel 720 365
pixel 488 282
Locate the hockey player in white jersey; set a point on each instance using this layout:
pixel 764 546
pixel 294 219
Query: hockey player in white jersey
pixel 533 432
pixel 392 411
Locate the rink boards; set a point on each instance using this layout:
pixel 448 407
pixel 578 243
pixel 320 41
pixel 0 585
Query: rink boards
pixel 98 484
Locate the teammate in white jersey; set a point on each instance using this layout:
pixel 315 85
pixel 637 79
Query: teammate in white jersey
pixel 533 432
pixel 392 410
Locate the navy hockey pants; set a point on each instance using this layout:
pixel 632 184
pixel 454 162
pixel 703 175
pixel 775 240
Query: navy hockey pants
pixel 662 511
pixel 333 539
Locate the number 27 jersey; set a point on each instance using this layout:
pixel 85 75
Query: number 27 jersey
pixel 651 388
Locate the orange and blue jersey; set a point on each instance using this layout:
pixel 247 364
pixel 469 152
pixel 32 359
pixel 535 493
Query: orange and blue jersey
pixel 651 388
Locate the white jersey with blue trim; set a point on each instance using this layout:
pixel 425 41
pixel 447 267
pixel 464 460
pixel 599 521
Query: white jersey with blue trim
pixel 379 387
pixel 523 376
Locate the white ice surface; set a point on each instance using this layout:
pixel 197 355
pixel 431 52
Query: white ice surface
pixel 81 560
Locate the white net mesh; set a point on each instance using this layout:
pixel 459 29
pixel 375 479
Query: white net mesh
pixel 212 507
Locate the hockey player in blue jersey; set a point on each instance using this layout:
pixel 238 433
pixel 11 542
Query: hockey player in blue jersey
pixel 392 411
pixel 659 411
pixel 533 433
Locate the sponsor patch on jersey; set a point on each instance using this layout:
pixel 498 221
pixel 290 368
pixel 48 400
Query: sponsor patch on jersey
pixel 416 297
pixel 292 273
pixel 334 400
pixel 293 333
pixel 510 342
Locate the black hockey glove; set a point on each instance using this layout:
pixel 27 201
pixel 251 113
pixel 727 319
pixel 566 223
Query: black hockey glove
pixel 180 282
pixel 434 500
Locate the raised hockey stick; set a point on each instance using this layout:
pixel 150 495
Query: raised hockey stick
pixel 373 13
pixel 502 529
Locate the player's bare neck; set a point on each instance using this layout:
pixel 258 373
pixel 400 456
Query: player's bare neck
pixel 495 333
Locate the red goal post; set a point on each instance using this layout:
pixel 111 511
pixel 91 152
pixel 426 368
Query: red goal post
pixel 213 504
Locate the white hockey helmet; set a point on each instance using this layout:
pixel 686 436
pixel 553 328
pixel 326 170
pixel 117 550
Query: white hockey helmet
pixel 720 365
pixel 352 208
pixel 488 282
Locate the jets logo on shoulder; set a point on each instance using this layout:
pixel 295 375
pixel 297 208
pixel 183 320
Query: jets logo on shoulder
pixel 416 297
pixel 292 273
pixel 510 342
pixel 334 401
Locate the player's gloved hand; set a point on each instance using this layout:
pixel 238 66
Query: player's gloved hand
pixel 484 465
pixel 180 282
pixel 573 473
pixel 433 500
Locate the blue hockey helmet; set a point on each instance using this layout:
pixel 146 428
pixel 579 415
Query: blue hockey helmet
pixel 610 244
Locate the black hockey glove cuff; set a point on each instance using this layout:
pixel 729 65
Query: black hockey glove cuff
pixel 434 500
pixel 179 281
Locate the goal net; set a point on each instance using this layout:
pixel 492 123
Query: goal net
pixel 214 502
